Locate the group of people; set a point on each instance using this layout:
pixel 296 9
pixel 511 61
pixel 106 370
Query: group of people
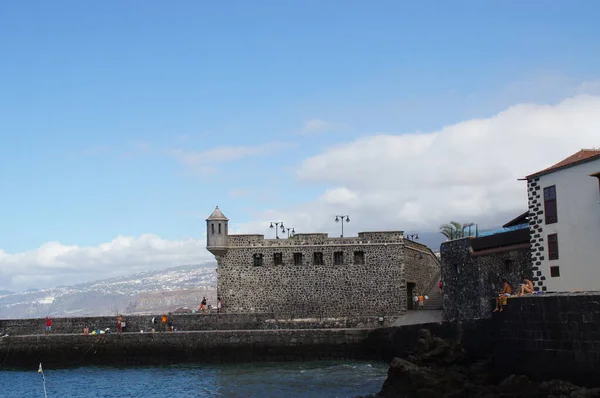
pixel 205 305
pixel 525 287
pixel 419 300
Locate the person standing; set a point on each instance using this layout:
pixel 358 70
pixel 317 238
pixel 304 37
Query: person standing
pixel 421 301
pixel 119 323
pixel 219 304
pixel 163 322
pixel 203 304
pixel 416 301
pixel 440 284
pixel 48 328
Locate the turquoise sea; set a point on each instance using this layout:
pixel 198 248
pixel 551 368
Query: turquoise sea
pixel 273 379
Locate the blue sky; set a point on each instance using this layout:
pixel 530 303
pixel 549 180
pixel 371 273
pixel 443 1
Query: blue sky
pixel 108 109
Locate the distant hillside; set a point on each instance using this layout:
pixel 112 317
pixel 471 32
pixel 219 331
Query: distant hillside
pixel 144 292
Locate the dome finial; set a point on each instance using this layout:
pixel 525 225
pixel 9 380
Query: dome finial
pixel 217 215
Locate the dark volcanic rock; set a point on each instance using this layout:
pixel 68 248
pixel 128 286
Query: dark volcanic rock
pixel 440 368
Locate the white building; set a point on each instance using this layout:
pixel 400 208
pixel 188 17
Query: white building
pixel 564 206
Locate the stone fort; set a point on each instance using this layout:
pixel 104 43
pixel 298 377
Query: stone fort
pixel 313 275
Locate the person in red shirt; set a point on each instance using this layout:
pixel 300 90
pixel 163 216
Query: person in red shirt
pixel 48 324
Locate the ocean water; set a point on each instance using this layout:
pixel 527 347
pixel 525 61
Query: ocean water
pixel 288 380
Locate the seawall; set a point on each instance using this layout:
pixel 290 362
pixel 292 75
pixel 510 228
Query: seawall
pixel 127 349
pixel 189 322
pixel 550 336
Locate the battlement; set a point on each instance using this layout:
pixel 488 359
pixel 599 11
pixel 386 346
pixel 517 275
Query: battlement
pixel 317 238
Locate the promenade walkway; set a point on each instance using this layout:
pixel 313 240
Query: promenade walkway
pixel 417 317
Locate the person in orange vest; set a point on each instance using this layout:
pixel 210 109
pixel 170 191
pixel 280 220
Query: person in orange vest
pixel 163 322
pixel 421 300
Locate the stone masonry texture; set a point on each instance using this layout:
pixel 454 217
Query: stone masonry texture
pixel 131 349
pixel 187 322
pixel 550 336
pixel 470 281
pixel 369 278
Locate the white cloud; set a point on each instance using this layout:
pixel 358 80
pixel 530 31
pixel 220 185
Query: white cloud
pixel 465 172
pixel 202 161
pixel 57 264
pixel 238 193
pixel 313 126
pixel 589 87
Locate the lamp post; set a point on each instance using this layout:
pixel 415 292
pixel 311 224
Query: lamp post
pixel 412 236
pixel 341 218
pixel 278 224
pixel 290 233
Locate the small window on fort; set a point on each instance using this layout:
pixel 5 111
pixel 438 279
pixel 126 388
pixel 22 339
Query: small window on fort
pixel 359 258
pixel 318 258
pixel 297 258
pixel 213 228
pixel 507 265
pixel 554 272
pixel 553 246
pixel 258 260
pixel 219 228
pixel 278 258
pixel 338 258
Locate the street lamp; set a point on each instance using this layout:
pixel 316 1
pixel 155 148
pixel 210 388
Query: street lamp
pixel 341 218
pixel 412 236
pixel 290 233
pixel 278 225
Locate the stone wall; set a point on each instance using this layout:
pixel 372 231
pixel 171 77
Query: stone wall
pixel 421 266
pixel 377 287
pixel 550 336
pixel 189 322
pixel 179 347
pixel 471 279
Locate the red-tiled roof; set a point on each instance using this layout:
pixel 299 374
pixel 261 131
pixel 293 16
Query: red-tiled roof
pixel 585 155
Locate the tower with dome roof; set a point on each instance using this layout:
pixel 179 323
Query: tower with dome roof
pixel 217 237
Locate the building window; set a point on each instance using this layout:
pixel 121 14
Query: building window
pixel 278 258
pixel 550 205
pixel 338 258
pixel 297 258
pixel 553 247
pixel 219 228
pixel 359 258
pixel 318 258
pixel 213 228
pixel 554 272
pixel 258 259
pixel 507 265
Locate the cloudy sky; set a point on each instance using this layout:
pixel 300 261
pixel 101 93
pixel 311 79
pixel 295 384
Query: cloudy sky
pixel 123 124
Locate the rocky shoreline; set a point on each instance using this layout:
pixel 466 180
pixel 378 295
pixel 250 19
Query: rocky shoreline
pixel 441 368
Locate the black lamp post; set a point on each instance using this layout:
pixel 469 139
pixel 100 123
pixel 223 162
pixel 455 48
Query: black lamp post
pixel 341 218
pixel 278 224
pixel 412 236
pixel 290 233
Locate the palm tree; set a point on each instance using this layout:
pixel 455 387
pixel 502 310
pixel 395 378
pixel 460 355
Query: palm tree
pixel 452 230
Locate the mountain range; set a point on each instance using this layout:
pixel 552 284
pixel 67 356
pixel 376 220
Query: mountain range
pixel 149 292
